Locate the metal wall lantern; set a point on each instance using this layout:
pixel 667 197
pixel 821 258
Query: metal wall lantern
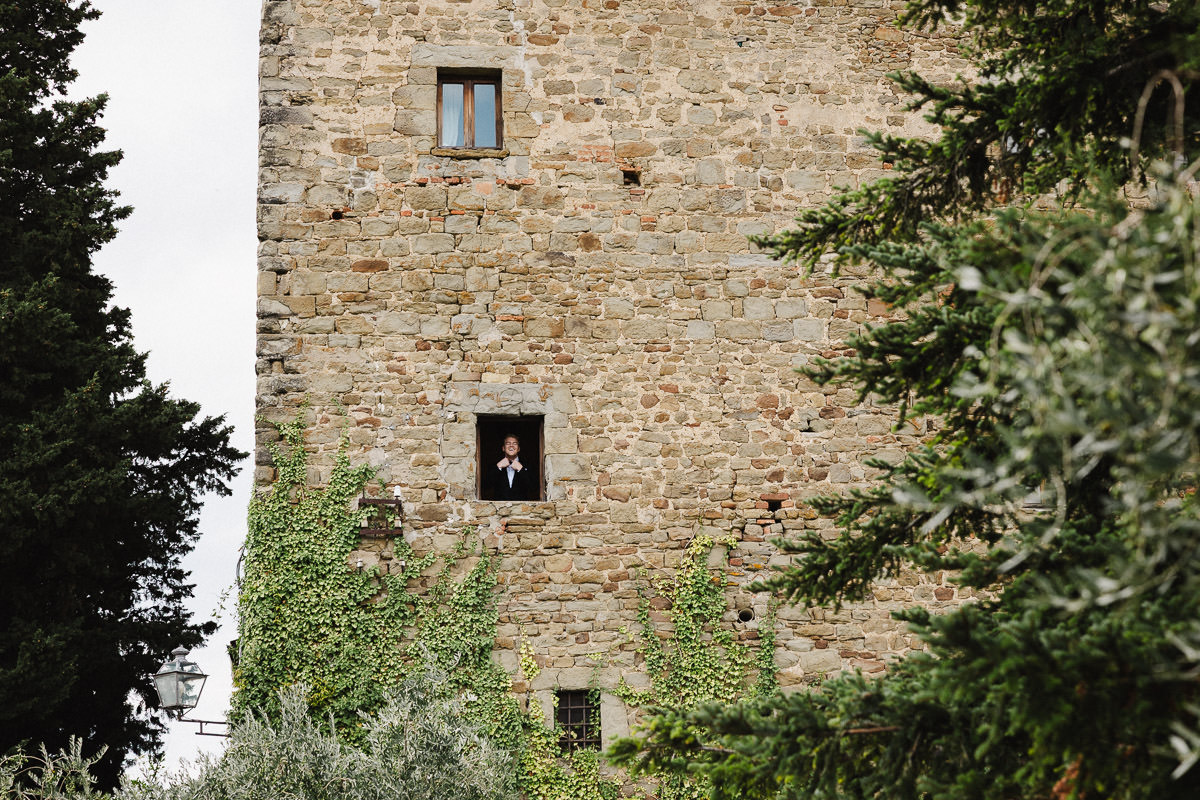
pixel 179 683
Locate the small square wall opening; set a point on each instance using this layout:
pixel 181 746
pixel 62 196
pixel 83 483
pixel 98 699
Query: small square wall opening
pixel 509 473
pixel 631 177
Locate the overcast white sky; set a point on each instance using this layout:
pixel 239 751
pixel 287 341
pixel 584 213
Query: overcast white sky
pixel 182 80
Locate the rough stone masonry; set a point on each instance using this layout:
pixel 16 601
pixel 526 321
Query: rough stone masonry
pixel 594 269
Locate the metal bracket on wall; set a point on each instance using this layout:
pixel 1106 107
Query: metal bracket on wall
pixel 380 524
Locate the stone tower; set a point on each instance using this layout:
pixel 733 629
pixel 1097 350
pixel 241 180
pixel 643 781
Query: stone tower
pixel 486 216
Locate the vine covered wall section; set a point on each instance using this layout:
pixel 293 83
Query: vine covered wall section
pixel 311 616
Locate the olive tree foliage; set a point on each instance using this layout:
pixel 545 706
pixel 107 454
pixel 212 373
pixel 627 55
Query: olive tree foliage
pixel 63 775
pixel 418 746
pixel 1048 325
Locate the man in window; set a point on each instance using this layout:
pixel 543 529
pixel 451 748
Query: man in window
pixel 510 480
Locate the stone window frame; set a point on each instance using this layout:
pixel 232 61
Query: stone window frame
pixel 464 401
pixel 614 716
pixel 418 116
pixel 470 78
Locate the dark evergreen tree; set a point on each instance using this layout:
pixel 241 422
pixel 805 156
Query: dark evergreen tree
pixel 101 473
pixel 1057 351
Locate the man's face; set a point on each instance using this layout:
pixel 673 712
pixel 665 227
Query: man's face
pixel 511 446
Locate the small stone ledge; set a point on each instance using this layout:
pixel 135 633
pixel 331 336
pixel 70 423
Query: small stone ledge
pixel 469 152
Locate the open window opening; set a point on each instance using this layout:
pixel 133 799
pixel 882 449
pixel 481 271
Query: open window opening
pixel 468 109
pixel 631 177
pixel 577 714
pixel 510 457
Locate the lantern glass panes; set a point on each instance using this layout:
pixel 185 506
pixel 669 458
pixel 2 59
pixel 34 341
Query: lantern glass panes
pixel 179 683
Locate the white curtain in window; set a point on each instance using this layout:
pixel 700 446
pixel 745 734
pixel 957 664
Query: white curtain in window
pixel 452 115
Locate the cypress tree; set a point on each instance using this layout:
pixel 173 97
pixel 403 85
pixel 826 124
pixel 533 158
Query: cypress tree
pixel 101 473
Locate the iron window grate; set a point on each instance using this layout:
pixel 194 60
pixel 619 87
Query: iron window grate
pixel 578 716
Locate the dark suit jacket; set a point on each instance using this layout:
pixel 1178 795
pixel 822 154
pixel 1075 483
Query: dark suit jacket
pixel 522 486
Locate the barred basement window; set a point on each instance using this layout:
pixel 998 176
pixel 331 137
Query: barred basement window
pixel 578 717
pixel 468 109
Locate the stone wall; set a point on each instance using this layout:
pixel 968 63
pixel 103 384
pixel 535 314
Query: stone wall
pixel 404 289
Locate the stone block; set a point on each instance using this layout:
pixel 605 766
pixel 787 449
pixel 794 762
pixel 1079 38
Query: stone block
pixel 479 279
pixel 539 197
pixel 618 308
pixel 809 330
pixel 350 147
pixel 687 242
pixel 840 329
pixel 710 171
pixel 758 308
pixel 736 288
pixel 729 201
pixel 347 282
pixel 790 308
pixel 307 282
pixel 655 243
pixel 806 180
pixel 726 243
pixel 738 330
pixel 407 226
pixel 416 280
pixel 415 123
pixel 700 81
pixel 281 193
pixel 465 56
pixel 566 467
pixel 331 382
pixel 544 327
pixel 435 327
pixel 778 331
pixel 562 440
pixel 354 324
pixel 560 562
pixel 645 329
pixel 432 198
pixel 433 243
pixel 820 662
pixel 461 223
pixel 269 307
pixel 716 309
pixel 375 227
pixel 635 149
pixel 605 328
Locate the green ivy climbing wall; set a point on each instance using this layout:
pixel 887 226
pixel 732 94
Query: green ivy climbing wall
pixel 701 661
pixel 308 617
